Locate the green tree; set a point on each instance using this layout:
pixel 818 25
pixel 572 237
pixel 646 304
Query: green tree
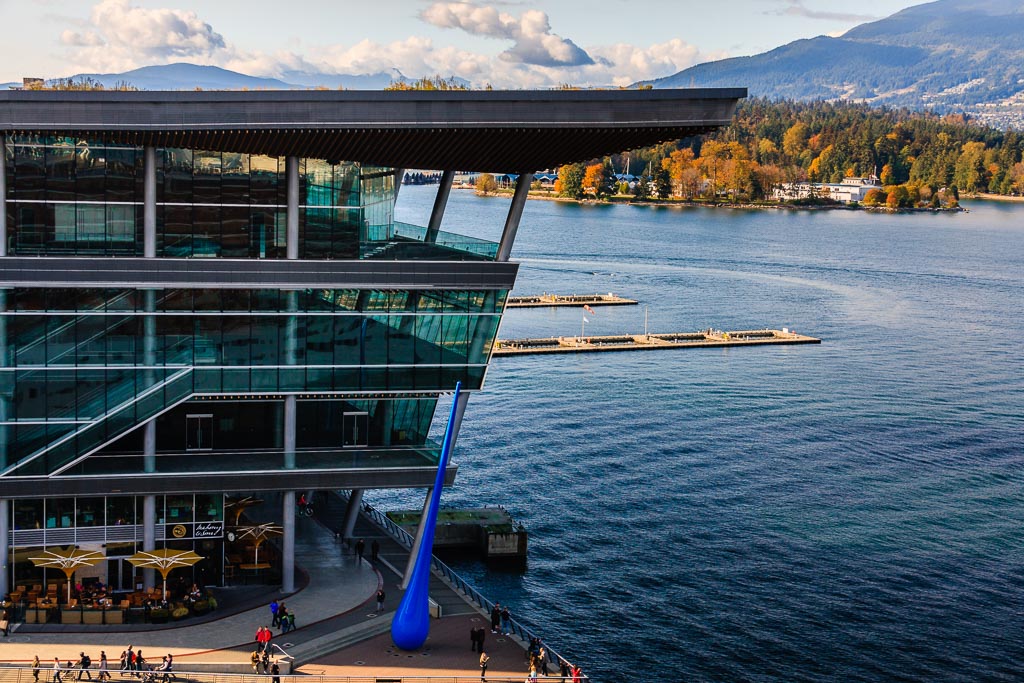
pixel 486 184
pixel 570 181
pixel 642 189
pixel 662 184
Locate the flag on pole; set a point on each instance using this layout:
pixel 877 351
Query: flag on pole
pixel 588 309
pixel 585 319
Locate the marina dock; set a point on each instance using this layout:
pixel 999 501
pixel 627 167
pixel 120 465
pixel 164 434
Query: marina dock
pixel 647 342
pixel 578 300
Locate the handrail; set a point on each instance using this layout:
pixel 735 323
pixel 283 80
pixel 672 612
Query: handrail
pixel 24 675
pixel 457 582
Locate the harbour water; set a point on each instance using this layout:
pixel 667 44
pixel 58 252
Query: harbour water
pixel 844 511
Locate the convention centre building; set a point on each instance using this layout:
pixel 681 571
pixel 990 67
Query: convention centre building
pixel 205 296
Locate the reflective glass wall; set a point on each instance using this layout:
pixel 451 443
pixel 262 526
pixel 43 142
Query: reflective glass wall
pixel 73 196
pixel 84 366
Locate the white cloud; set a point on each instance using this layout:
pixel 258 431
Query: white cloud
pixel 120 36
pixel 530 33
pixel 123 36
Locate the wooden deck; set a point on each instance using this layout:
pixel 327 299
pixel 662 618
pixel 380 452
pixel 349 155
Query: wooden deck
pixel 640 342
pixel 577 300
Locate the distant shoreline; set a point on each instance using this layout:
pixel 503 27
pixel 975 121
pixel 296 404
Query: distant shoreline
pixel 745 205
pixel 995 197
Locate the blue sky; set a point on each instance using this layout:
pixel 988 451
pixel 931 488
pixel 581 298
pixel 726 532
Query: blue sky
pixel 508 43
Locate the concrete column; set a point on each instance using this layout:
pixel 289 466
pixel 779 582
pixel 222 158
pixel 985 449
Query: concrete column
pixel 355 501
pixel 440 202
pixel 148 536
pixel 418 540
pixel 149 202
pixel 3 195
pixel 291 169
pixel 515 213
pixel 5 546
pixel 149 359
pixel 290 406
pixel 288 542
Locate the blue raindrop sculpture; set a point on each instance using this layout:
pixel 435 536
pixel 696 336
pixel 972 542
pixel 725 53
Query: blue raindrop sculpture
pixel 411 623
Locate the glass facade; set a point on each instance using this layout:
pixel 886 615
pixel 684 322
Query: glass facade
pixel 72 196
pixel 225 374
pixel 87 365
pixel 114 525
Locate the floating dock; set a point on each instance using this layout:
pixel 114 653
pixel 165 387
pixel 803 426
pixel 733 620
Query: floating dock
pixel 647 342
pixel 578 300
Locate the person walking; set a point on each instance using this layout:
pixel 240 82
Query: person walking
pixel 104 670
pixel 265 662
pixel 473 639
pixel 56 670
pixel 542 655
pixel 273 613
pixel 360 546
pixel 374 550
pixel 380 600
pixel 484 659
pixel 35 669
pixel 259 639
pixel 481 636
pixel 84 661
pixel 254 659
pixel 275 671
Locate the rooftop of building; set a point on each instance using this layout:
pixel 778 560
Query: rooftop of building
pixel 520 131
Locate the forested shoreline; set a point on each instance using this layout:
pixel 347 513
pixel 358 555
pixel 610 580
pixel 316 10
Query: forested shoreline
pixel 922 160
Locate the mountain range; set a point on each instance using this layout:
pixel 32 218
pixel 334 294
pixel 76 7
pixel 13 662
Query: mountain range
pixel 944 56
pixel 950 55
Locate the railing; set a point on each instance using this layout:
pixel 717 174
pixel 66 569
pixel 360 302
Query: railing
pixel 457 582
pixel 410 242
pixel 23 674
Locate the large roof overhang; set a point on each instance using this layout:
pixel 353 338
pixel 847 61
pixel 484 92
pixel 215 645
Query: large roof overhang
pixel 515 131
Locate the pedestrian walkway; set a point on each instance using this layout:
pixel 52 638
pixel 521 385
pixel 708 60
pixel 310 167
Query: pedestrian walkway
pixel 339 630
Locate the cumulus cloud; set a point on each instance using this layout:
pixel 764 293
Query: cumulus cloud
pixel 530 33
pixel 120 36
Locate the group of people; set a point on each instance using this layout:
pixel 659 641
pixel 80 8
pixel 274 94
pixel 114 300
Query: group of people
pixel 501 618
pixel 537 654
pixel 132 664
pixel 261 660
pixel 281 617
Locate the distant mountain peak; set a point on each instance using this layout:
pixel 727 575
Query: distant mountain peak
pixel 950 55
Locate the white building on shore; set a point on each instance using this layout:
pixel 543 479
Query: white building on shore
pixel 848 191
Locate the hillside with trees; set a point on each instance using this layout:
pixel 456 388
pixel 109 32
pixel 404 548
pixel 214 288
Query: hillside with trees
pixel 921 159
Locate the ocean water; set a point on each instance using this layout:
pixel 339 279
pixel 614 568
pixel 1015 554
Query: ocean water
pixel 850 511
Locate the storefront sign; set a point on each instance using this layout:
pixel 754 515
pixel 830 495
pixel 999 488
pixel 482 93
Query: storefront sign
pixel 209 529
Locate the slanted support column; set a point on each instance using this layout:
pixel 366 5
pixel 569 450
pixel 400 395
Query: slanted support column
pixel 355 501
pixel 149 202
pixel 515 213
pixel 148 536
pixel 418 540
pixel 291 168
pixel 399 177
pixel 3 195
pixel 440 201
pixel 5 547
pixel 288 542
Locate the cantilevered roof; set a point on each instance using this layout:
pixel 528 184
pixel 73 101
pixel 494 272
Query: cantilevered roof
pixel 515 131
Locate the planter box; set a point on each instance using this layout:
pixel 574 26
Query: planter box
pixel 115 616
pixel 91 616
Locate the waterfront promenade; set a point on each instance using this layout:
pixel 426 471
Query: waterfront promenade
pixel 339 632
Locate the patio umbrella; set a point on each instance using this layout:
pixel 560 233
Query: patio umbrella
pixel 238 505
pixel 164 560
pixel 67 561
pixel 258 534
